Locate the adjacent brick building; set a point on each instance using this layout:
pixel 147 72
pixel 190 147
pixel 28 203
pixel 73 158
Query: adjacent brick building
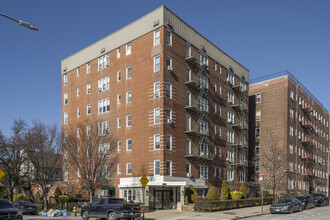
pixel 298 122
pixel 177 104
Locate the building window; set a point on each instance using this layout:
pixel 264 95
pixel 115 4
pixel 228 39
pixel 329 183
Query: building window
pixel 78 173
pixel 78 92
pixel 219 110
pixel 203 172
pixel 230 77
pixel 215 87
pixel 88 88
pixel 168 142
pixel 242 177
pixel 188 50
pixel 118 145
pixel 291 131
pixel 128 97
pixel 203 82
pixel 258 132
pixel 203 60
pixel 188 74
pixel 230 117
pixel 230 156
pixel 215 66
pixel 118 122
pixel 89 109
pixel 65 117
pixel 103 128
pixel 157 63
pixel 88 68
pixel 104 106
pixel 291 148
pixel 203 127
pixel 78 132
pixel 291 112
pixel 66 176
pixel 169 90
pixel 129 145
pixel 89 130
pixel 230 137
pixel 188 146
pixel 168 37
pixel 128 168
pixel 118 76
pixel 129 121
pixel 118 52
pixel 103 62
pixel 169 116
pixel 156 167
pixel 156 141
pixel 291 95
pixel 169 168
pixel 219 131
pixel 188 123
pixel 118 99
pixel 156 90
pixel 118 168
pixel 188 98
pixel 169 63
pixel 258 115
pixel 156 115
pixel 128 72
pixel 156 37
pixel 258 98
pixel 257 149
pixel 230 97
pixel 188 169
pixel 103 84
pixel 257 166
pixel 65 98
pixel 65 79
pixel 128 49
pixel 203 105
pixel 78 112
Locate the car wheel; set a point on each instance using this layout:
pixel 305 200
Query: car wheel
pixel 291 211
pixel 111 216
pixel 322 204
pixel 300 209
pixel 84 215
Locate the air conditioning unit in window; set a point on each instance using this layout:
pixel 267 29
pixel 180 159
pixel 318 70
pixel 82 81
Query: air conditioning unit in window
pixel 189 175
pixel 156 95
pixel 99 89
pixel 169 68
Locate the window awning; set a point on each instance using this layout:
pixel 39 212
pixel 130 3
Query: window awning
pixel 108 187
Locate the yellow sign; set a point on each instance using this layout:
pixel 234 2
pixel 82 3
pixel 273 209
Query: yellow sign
pixel 2 173
pixel 144 181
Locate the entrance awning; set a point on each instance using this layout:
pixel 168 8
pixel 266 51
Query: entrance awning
pixel 108 187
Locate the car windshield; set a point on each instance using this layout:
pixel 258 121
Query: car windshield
pixel 317 195
pixel 5 204
pixel 301 197
pixel 284 200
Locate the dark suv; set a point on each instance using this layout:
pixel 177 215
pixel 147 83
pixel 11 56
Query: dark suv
pixel 320 199
pixel 306 201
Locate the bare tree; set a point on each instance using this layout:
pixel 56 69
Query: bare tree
pixel 89 151
pixel 43 151
pixel 273 163
pixel 12 159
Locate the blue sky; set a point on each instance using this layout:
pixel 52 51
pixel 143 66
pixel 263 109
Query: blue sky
pixel 264 36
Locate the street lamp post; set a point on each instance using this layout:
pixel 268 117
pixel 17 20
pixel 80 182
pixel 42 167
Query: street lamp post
pixel 22 23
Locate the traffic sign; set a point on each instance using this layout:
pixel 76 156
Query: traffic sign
pixel 144 181
pixel 261 176
pixel 2 173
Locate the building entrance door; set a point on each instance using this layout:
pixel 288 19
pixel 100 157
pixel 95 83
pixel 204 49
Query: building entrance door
pixel 163 199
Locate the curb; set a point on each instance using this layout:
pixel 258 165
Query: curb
pixel 249 216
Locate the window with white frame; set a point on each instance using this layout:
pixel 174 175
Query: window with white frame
pixel 215 87
pixel 219 68
pixel 168 142
pixel 128 121
pixel 104 128
pixel 156 141
pixel 219 131
pixel 188 169
pixel 156 37
pixel 128 49
pixel 118 122
pixel 66 175
pixel 169 62
pixel 188 50
pixel 169 168
pixel 104 106
pixel 230 156
pixel 65 79
pixel 169 90
pixel 88 68
pixel 215 108
pixel 203 127
pixel 188 98
pixel 258 115
pixel 230 77
pixel 103 62
pixel 129 73
pixel 65 98
pixel 129 144
pixel 168 116
pixel 89 109
pixel 88 88
pixel 291 148
pixel 257 166
pixel 118 76
pixel 203 82
pixel 104 149
pixel 188 123
pixel 219 90
pixel 291 95
pixel 188 74
pixel 230 137
pixel 78 92
pixel 258 132
pixel 78 173
pixel 290 166
pixel 203 171
pixel 168 37
pixel 215 66
pixel 156 90
pixel 103 84
pixel 257 149
pixel 118 52
pixel 156 115
pixel 203 105
pixel 291 112
pixel 128 96
pixel 156 167
pixel 230 97
pixel 118 145
pixel 230 117
pixel 78 112
pixel 219 110
pixel 202 59
pixel 242 177
pixel 119 168
pixel 128 168
pixel 215 129
pixel 118 99
pixel 89 130
pixel 188 146
pixel 156 63
pixel 291 130
pixel 78 132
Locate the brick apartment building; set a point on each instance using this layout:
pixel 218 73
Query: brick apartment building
pixel 282 106
pixel 177 104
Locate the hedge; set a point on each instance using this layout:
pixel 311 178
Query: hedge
pixel 220 205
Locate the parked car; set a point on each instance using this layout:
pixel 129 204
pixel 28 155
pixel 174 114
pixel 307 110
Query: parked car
pixel 26 207
pixel 288 205
pixel 306 201
pixel 320 199
pixel 110 208
pixel 8 211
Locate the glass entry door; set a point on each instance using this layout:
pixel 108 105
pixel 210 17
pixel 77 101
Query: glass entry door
pixel 163 199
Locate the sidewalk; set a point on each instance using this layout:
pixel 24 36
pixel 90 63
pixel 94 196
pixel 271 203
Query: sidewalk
pixel 228 214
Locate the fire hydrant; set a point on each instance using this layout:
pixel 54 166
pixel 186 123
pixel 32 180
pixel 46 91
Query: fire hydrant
pixel 74 211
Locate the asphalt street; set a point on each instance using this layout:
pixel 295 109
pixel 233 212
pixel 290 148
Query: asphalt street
pixel 319 213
